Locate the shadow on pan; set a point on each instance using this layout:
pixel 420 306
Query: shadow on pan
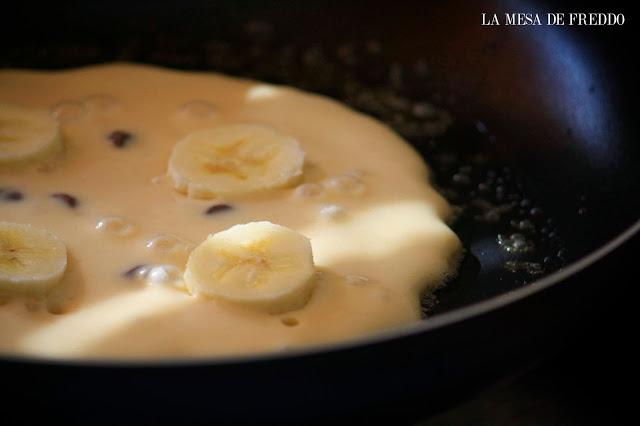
pixel 539 159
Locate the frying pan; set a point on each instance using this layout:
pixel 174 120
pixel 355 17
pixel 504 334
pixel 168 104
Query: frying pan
pixel 549 110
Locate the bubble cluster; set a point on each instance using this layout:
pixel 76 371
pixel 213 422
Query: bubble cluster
pixel 170 246
pixel 491 200
pixel 116 226
pixel 333 212
pixel 490 212
pixel 197 110
pixel 531 268
pixel 346 184
pixel 308 190
pixel 168 243
pixel 515 243
pixel 165 274
pixel 523 225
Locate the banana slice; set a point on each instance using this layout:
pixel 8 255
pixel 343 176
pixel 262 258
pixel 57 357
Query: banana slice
pixel 26 135
pixel 236 159
pixel 31 259
pixel 259 264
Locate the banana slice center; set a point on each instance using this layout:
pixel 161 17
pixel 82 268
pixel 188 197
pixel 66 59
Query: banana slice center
pixel 234 160
pixel 15 254
pixel 31 260
pixel 9 249
pixel 256 264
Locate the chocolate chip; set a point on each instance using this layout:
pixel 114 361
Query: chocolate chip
pixel 133 272
pixel 119 138
pixel 217 208
pixel 10 195
pixel 13 196
pixel 69 200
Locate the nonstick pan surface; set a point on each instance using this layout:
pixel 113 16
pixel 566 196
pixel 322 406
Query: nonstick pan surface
pixel 540 161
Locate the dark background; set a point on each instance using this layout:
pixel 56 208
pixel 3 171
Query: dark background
pixel 591 381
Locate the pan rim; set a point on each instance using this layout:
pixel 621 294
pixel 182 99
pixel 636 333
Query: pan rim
pixel 399 332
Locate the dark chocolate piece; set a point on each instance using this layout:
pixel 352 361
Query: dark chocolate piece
pixel 119 138
pixel 10 195
pixel 69 200
pixel 217 208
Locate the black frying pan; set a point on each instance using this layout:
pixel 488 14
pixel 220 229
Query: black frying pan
pixel 546 114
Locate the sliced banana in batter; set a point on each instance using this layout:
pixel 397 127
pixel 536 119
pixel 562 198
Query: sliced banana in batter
pixel 258 264
pixel 26 135
pixel 31 259
pixel 235 159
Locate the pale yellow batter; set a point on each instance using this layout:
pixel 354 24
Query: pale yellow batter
pixel 376 226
